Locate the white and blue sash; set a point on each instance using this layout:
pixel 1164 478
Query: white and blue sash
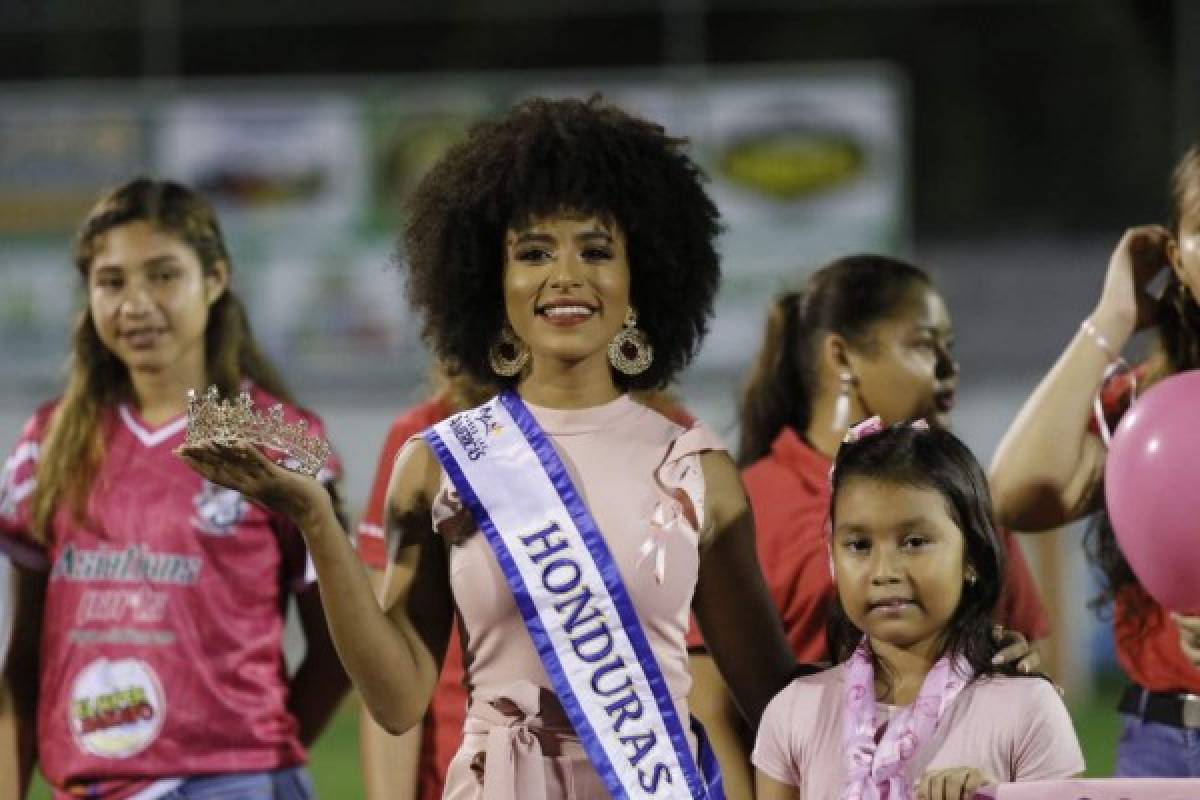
pixel 573 601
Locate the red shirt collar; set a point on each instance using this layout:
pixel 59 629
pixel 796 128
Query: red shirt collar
pixel 809 465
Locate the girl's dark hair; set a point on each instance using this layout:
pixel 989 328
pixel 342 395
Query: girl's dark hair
pixel 847 297
pixel 1178 319
pixel 933 459
pixel 546 157
pixel 1177 349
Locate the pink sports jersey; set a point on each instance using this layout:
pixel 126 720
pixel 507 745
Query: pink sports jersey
pixel 161 650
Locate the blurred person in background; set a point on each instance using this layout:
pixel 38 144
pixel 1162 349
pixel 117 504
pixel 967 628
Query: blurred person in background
pixel 5 608
pixel 147 650
pixel 1049 470
pixel 866 335
pixel 565 251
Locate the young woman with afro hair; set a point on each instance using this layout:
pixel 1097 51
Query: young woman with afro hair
pixel 564 251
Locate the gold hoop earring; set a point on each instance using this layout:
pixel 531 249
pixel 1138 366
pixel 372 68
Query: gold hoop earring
pixel 508 355
pixel 630 351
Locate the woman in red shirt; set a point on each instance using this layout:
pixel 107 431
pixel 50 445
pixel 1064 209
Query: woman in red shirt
pixel 1049 471
pixel 866 335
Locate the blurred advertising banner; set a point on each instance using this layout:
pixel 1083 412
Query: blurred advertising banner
pixel 55 152
pixel 310 180
pixel 284 162
pixel 805 165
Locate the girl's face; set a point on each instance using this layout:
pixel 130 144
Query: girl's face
pixel 899 562
pixel 566 286
pixel 149 297
pixel 909 371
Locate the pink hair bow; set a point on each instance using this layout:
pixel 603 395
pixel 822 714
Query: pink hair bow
pixel 874 425
pixel 868 427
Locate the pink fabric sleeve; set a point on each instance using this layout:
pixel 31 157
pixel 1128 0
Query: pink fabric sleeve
pixel 446 505
pixel 18 478
pixel 681 474
pixel 777 747
pixel 1049 748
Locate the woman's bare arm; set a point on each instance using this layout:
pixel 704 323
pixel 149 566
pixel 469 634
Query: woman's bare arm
pixel 19 684
pixel 741 627
pixel 729 735
pixel 392 658
pixel 1048 467
pixel 390 764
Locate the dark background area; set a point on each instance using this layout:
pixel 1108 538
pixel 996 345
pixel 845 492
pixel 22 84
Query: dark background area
pixel 1051 115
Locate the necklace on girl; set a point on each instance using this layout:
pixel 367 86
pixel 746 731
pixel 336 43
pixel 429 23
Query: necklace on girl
pixel 876 771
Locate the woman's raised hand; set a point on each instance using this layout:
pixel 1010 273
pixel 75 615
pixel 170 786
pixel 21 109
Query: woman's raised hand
pixel 1125 304
pixel 239 465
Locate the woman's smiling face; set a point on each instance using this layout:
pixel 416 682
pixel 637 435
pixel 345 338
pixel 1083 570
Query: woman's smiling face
pixel 566 286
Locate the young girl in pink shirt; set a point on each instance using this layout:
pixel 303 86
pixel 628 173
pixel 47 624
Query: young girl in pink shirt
pixel 915 707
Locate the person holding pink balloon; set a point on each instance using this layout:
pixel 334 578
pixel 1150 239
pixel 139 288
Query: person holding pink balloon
pixel 1059 462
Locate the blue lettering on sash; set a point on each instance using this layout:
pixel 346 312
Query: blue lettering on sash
pixel 548 547
pixel 566 575
pixel 577 605
pixel 464 431
pixel 642 744
pixel 658 774
pixel 592 641
pixel 588 636
pixel 601 671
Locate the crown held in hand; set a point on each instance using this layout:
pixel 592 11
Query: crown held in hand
pixel 209 418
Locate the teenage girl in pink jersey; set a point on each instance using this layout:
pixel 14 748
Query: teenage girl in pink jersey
pixel 147 653
pixel 916 706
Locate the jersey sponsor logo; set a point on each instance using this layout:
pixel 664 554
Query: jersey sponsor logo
pixel 116 708
pixel 121 605
pixel 134 564
pixel 122 636
pixel 218 510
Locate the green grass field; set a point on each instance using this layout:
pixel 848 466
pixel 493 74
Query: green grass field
pixel 335 758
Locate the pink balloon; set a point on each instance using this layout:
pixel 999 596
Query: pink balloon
pixel 1152 490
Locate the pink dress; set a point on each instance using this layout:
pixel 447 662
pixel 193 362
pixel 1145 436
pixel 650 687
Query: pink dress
pixel 1015 729
pixel 640 475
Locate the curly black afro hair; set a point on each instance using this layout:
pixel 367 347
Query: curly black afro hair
pixel 545 157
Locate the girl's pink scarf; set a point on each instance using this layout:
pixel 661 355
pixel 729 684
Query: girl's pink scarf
pixel 878 771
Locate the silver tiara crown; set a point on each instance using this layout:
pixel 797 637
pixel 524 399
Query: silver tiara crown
pixel 210 418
